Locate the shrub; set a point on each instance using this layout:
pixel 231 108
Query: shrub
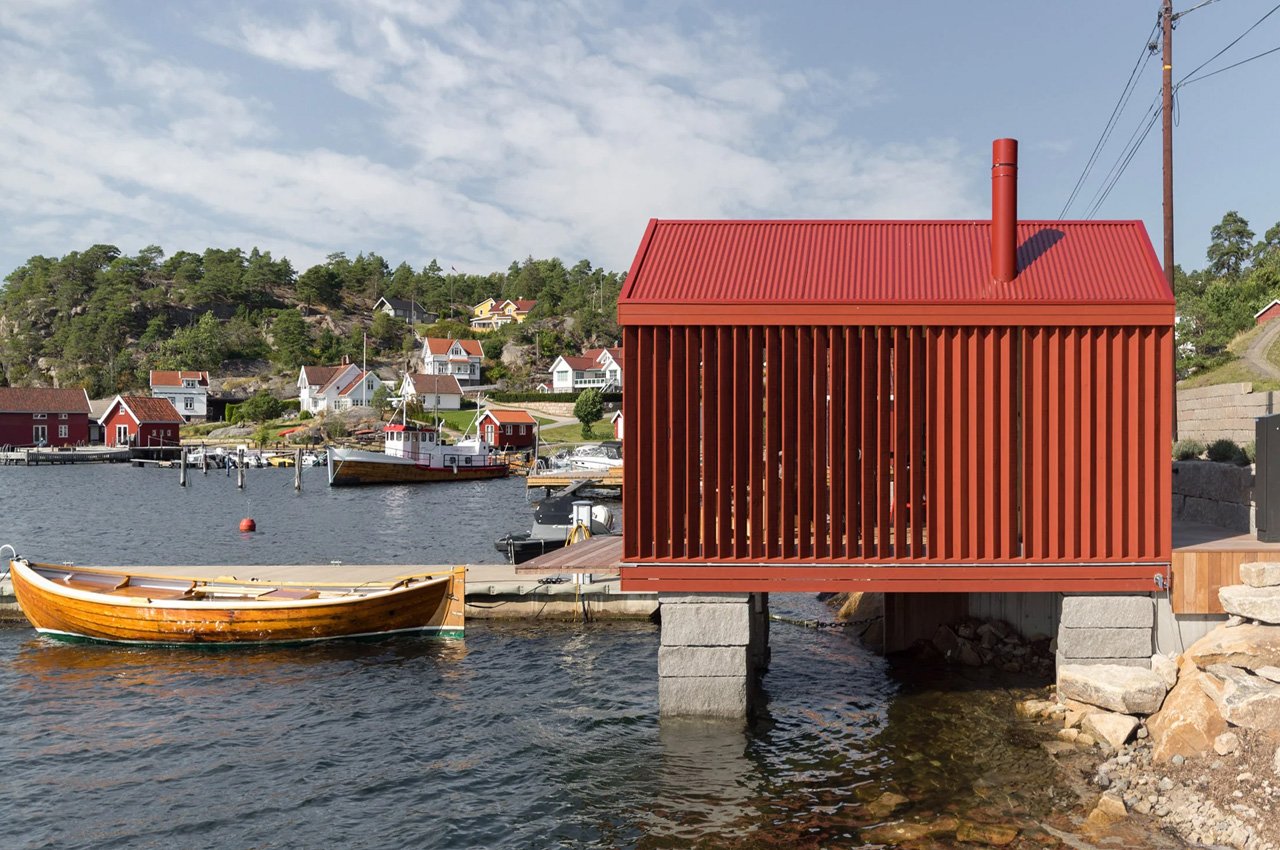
pixel 304 416
pixel 1187 449
pixel 511 398
pixel 1249 453
pixel 1224 451
pixel 588 408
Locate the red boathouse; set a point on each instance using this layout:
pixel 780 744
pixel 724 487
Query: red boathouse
pixel 898 405
pixel 43 416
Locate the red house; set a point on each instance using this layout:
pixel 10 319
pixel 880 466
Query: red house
pixel 508 429
pixel 141 422
pixel 40 416
pixel 916 406
pixel 1267 313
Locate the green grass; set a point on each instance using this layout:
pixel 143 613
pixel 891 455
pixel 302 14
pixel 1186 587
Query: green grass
pixel 602 430
pixel 455 420
pixel 1273 354
pixel 1231 372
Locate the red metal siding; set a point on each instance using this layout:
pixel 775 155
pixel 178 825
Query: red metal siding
pixel 956 458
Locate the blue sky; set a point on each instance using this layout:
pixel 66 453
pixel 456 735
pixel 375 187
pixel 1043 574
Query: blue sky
pixel 479 133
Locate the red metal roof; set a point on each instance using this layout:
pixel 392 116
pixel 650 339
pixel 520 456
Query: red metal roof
pixel 43 400
pixel 866 271
pixel 161 378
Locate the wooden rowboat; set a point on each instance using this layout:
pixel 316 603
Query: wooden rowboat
pixel 119 606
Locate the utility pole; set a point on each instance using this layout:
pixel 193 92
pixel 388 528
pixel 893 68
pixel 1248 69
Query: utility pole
pixel 1166 23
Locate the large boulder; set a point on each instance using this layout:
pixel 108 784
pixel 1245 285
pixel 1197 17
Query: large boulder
pixel 1250 646
pixel 1242 698
pixel 1127 690
pixel 1115 729
pixel 1260 574
pixel 1253 603
pixel 1188 722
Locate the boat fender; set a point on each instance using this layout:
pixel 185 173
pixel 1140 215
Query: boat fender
pixel 247 524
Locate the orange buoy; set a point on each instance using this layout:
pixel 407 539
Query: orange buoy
pixel 248 524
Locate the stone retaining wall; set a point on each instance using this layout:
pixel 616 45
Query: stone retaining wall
pixel 1223 410
pixel 1219 494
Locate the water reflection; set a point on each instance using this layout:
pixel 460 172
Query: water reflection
pixel 706 784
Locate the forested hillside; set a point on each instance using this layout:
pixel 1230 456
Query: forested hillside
pixel 102 319
pixel 1219 301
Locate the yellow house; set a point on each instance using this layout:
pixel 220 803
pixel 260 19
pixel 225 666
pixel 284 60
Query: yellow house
pixel 489 314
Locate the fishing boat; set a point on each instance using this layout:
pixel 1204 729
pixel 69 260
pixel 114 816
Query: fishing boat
pixel 414 454
pixel 588 458
pixel 118 605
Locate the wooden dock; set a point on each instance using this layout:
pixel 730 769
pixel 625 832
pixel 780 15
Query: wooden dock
pixel 53 457
pixel 610 479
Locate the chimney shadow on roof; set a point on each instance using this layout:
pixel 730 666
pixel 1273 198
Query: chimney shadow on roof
pixel 1036 246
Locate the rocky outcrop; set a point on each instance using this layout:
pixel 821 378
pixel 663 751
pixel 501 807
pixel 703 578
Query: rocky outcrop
pixel 1260 574
pixel 1251 647
pixel 1252 603
pixel 1126 690
pixel 1242 698
pixel 1115 729
pixel 1187 723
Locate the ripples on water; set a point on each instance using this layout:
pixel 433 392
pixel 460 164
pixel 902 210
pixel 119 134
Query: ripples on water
pixel 524 735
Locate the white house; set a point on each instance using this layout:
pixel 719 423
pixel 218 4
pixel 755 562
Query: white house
pixel 188 392
pixel 457 357
pixel 597 367
pixel 432 392
pixel 324 388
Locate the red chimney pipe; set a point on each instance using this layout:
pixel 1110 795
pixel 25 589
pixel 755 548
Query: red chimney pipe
pixel 1004 210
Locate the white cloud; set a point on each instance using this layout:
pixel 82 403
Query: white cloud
pixel 506 130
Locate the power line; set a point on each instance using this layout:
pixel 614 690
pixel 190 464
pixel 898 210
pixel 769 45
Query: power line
pixel 1228 68
pixel 1193 8
pixel 1232 44
pixel 1127 155
pixel 1116 111
pixel 1122 159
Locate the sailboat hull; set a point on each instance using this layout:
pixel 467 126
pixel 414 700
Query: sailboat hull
pixel 350 467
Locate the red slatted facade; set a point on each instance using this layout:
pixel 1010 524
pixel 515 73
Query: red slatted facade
pixel 951 440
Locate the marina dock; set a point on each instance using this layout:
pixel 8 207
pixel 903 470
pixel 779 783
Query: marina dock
pixel 610 479
pixel 52 457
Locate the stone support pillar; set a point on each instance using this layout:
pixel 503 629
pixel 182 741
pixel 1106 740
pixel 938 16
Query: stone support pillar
pixel 713 649
pixel 1106 629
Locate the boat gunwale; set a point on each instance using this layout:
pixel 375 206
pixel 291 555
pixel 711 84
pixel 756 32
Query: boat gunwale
pixel 438 631
pixel 51 586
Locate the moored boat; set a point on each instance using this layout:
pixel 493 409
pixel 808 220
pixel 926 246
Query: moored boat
pixel 557 521
pixel 118 605
pixel 413 454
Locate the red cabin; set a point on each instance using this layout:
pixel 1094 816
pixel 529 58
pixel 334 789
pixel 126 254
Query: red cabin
pixel 514 430
pixel 41 416
pixel 898 405
pixel 141 422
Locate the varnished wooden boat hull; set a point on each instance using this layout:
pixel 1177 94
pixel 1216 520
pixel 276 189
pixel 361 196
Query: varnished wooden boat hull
pixel 358 471
pixel 432 606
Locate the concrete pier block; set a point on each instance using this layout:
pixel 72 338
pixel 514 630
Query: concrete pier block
pixel 712 649
pixel 1094 612
pixel 1106 643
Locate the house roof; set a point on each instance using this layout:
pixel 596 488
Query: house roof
pixel 43 400
pixel 161 378
pixel 434 384
pixel 399 304
pixel 319 376
pixel 510 417
pixel 579 364
pixel 524 305
pixel 877 272
pixel 355 383
pixel 148 411
pixel 1266 308
pixel 438 346
pixel 597 353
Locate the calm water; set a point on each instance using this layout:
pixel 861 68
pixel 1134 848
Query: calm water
pixel 527 735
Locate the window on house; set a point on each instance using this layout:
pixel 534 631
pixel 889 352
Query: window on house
pixel 39 416
pixel 39 434
pixel 522 427
pixel 62 416
pixel 506 429
pixel 188 403
pixel 122 435
pixel 62 432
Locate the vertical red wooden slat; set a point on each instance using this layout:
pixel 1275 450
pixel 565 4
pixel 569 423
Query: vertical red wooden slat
pixel 1146 425
pixel 962 405
pixel 1054 437
pixel 679 470
pixel 804 413
pixel 1003 443
pixel 919 429
pixel 1106 419
pixel 821 477
pixel 839 428
pixel 790 395
pixel 1071 459
pixel 1163 378
pixel 989 385
pixel 725 443
pixel 853 443
pixel 937 443
pixel 975 462
pixel 643 505
pixel 884 430
pixel 870 441
pixel 900 416
pixel 1088 459
pixel 742 376
pixel 710 432
pixel 1117 461
pixel 694 455
pixel 1033 426
pixel 1133 445
pixel 630 448
pixel 773 442
pixel 755 442
pixel 656 419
